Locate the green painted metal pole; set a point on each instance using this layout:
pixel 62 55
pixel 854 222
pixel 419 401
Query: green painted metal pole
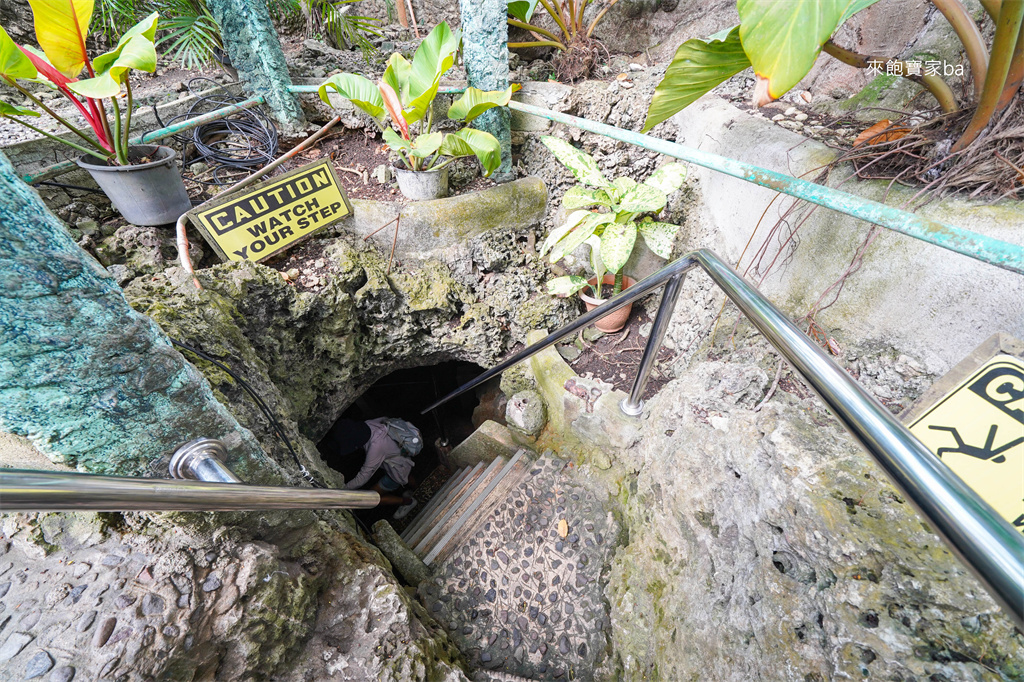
pixel 980 247
pixel 152 136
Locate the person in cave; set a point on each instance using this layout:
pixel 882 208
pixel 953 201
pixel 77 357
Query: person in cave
pixel 381 451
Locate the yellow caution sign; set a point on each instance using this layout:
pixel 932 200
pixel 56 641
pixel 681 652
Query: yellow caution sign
pixel 274 215
pixel 977 429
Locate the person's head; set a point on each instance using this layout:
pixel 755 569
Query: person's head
pixel 347 436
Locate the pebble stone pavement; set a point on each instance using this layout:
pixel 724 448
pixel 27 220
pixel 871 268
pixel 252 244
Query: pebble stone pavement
pixel 518 597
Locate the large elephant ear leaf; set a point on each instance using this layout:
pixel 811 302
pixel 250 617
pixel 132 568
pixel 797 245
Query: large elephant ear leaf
pixel 433 58
pixel 472 142
pixel 522 9
pixel 566 286
pixel 697 67
pixel 782 39
pixel 134 50
pixel 356 89
pixel 475 102
pixel 617 242
pixel 61 29
pixel 643 199
pixel 667 178
pixel 581 164
pixel 13 62
pixel 659 237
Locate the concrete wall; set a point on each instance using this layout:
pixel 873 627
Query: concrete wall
pixel 924 300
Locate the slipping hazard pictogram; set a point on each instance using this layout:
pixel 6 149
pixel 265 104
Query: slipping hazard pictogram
pixel 977 429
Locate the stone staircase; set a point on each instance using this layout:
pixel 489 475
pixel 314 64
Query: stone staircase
pixel 462 505
pixel 519 551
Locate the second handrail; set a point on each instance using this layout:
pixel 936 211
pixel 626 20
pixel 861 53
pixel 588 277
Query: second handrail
pixel 975 532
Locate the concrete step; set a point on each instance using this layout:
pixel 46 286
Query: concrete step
pixel 454 512
pixel 439 497
pixel 483 445
pixel 443 507
pixel 479 510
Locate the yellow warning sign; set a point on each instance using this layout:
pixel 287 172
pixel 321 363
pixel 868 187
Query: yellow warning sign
pixel 977 429
pixel 274 215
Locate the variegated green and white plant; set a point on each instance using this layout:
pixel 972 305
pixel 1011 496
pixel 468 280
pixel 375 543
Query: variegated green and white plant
pixel 607 216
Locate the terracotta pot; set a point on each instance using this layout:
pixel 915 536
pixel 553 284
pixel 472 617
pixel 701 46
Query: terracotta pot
pixel 615 321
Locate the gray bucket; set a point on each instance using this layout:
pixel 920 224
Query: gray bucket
pixel 145 194
pixel 422 185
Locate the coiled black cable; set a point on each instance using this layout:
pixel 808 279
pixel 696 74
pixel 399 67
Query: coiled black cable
pixel 243 141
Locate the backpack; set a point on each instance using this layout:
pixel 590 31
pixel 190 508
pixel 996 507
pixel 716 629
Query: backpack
pixel 408 437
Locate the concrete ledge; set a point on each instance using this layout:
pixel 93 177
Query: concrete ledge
pixel 487 443
pixel 427 226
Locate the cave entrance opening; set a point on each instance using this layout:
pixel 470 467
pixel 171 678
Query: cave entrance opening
pixel 403 394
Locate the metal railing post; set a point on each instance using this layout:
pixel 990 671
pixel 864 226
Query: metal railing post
pixel 202 460
pixel 634 404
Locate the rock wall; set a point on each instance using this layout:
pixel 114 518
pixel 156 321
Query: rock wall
pixel 765 545
pixel 184 597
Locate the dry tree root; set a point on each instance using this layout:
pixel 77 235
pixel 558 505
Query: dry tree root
pixel 579 60
pixel 919 156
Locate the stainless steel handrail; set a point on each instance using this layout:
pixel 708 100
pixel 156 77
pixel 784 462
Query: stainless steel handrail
pixel 974 531
pixel 25 491
pixel 211 486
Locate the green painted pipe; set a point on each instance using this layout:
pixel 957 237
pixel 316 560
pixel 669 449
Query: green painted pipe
pixel 152 136
pixel 313 89
pixel 986 249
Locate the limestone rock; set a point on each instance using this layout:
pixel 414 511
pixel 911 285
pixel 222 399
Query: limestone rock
pixel 772 546
pixel 526 412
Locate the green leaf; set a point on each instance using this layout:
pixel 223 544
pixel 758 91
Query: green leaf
pixel 522 9
pixel 617 242
pixel 469 142
pixel 643 199
pixel 566 286
pixel 556 234
pixel 582 165
pixel 397 75
pixel 396 141
pixel 433 58
pixel 659 237
pixel 782 39
pixel 667 178
pixel 579 235
pixel 579 196
pixel 697 67
pixel 13 62
pixel 425 145
pixel 138 53
pixel 356 89
pixel 623 185
pixel 475 102
pixel 139 34
pixel 14 110
pixel 852 7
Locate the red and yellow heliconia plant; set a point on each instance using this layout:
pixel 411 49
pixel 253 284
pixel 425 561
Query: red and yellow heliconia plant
pixel 61 29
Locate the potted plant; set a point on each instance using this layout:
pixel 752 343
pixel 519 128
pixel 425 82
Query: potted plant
pixel 623 209
pixel 406 94
pixel 142 181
